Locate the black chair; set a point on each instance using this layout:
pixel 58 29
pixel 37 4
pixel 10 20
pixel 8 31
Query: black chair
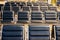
pixel 15 9
pixel 43 4
pixel 43 8
pixel 36 16
pixel 39 33
pixel 17 3
pixel 29 4
pixel 13 4
pixel 53 8
pixel 34 8
pixel 50 15
pixel 23 16
pixel 25 8
pixel 7 4
pixel 21 4
pixel 6 8
pixel 12 32
pixel 35 4
pixel 7 16
pixel 57 32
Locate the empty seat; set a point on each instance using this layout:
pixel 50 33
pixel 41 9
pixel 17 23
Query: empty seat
pixel 7 4
pixel 34 8
pixel 39 33
pixel 23 16
pixel 43 4
pixel 29 4
pixel 50 15
pixel 14 4
pixel 57 32
pixel 35 4
pixel 25 8
pixel 36 16
pixel 15 9
pixel 21 4
pixel 6 8
pixel 53 8
pixel 43 8
pixel 7 16
pixel 12 32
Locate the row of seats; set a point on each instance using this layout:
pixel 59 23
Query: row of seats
pixel 29 4
pixel 8 16
pixel 27 8
pixel 25 4
pixel 44 6
pixel 15 32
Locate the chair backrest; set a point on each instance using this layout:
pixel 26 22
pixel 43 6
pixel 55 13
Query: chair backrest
pixel 43 4
pixel 53 8
pixel 23 16
pixel 29 4
pixel 43 8
pixel 15 9
pixel 39 33
pixel 8 16
pixel 57 32
pixel 13 4
pixel 50 15
pixel 35 4
pixel 12 32
pixel 22 4
pixel 34 8
pixel 7 4
pixel 37 16
pixel 25 8
pixel 6 8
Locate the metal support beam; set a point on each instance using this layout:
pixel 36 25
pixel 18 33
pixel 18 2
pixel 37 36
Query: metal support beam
pixel 26 32
pixel 50 30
